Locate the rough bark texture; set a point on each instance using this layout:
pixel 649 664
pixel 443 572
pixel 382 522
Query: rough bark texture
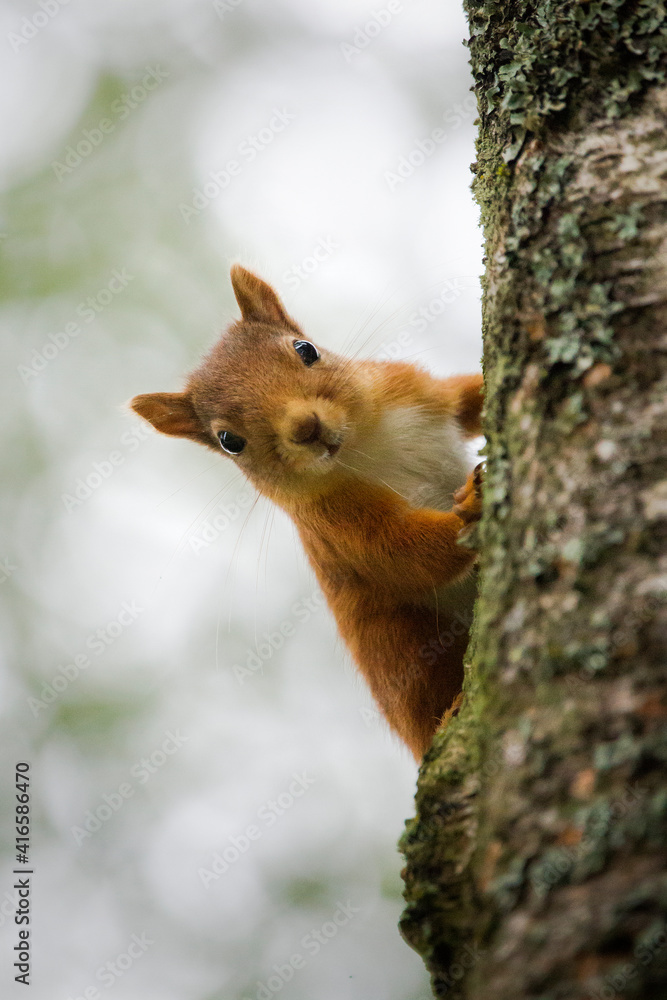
pixel 536 861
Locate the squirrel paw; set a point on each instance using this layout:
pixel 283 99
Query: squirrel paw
pixel 468 499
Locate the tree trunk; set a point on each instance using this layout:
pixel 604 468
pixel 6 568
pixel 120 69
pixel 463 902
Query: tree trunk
pixel 536 862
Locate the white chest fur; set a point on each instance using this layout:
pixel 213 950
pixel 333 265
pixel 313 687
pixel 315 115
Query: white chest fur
pixel 420 456
pixel 423 458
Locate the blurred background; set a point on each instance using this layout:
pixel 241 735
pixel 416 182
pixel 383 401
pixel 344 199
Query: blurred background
pixel 215 801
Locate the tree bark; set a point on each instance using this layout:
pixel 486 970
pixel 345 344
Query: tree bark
pixel 536 861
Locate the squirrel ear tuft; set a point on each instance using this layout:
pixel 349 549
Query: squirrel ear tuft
pixel 170 413
pixel 257 300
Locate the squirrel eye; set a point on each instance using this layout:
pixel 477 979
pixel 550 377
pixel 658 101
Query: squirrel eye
pixel 307 352
pixel 231 443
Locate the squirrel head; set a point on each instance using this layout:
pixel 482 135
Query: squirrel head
pixel 268 398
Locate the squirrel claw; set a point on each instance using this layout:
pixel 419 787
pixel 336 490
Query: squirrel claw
pixel 468 499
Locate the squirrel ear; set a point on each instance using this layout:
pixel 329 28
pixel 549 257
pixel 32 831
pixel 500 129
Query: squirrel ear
pixel 257 300
pixel 171 413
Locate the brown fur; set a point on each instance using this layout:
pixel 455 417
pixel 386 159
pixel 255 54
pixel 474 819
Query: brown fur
pixel 380 560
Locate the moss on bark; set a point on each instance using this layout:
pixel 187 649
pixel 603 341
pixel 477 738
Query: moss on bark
pixel 535 863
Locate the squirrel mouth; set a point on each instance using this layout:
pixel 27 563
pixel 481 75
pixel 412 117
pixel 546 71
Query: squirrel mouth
pixel 333 448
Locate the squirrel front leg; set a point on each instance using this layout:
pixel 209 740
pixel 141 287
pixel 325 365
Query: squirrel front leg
pixel 376 570
pixel 411 653
pixel 403 550
pixel 464 394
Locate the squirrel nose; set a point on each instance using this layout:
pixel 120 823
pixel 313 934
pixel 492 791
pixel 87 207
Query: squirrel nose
pixel 307 429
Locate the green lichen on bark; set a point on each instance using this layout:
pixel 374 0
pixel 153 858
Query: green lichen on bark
pixel 435 879
pixel 536 63
pixel 521 825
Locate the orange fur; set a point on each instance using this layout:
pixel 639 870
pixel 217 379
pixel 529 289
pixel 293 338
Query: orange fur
pixel 338 444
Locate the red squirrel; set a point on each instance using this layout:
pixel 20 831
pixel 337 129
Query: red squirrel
pixel 368 459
